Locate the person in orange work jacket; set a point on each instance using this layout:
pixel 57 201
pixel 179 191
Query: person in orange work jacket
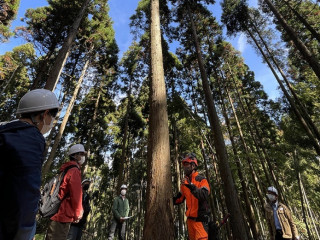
pixel 195 190
pixel 70 210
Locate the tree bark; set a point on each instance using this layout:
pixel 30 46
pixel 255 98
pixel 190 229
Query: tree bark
pixel 65 50
pixel 305 53
pixel 230 192
pixel 159 207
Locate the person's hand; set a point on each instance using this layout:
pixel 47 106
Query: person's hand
pixel 185 179
pixel 122 220
pixel 77 219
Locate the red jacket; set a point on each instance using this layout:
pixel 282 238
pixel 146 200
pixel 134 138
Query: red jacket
pixel 197 198
pixel 71 193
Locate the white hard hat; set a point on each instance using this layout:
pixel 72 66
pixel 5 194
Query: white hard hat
pixel 37 100
pixel 76 148
pixel 123 186
pixel 273 189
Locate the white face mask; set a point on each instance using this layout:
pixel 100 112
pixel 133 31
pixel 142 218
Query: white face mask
pixel 123 192
pixel 46 128
pixel 271 197
pixel 82 160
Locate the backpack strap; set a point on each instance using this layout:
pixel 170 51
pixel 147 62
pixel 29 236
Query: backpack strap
pixel 62 174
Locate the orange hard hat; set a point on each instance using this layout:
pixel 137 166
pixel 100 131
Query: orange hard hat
pixel 190 158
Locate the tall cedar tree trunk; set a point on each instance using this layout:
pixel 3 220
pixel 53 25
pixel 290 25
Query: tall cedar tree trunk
pixel 247 153
pixel 124 141
pixel 303 20
pixel 63 54
pixel 230 192
pixel 159 210
pixel 248 150
pixel 177 175
pixel 84 166
pixel 305 53
pixel 249 208
pixel 58 137
pixel 177 163
pixel 296 160
pixel 257 139
pixel 301 106
pixel 288 97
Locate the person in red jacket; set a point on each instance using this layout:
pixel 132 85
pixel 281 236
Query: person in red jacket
pixel 195 190
pixel 70 191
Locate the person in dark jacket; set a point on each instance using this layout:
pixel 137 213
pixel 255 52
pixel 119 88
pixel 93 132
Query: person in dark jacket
pixel 120 210
pixel 70 192
pixel 21 146
pixel 195 190
pixel 75 232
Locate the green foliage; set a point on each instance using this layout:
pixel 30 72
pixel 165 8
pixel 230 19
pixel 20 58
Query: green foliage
pixel 14 78
pixel 8 12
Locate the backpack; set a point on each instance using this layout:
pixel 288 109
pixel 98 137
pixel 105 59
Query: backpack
pixel 50 201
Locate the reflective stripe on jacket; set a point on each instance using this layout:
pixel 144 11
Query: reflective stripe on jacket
pixel 197 200
pixel 289 229
pixel 71 193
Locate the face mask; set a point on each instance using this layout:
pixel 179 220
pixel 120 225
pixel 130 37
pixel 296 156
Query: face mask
pixel 82 159
pixel 86 187
pixel 46 128
pixel 123 192
pixel 271 197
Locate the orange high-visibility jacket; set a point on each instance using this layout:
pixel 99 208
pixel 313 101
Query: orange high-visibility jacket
pixel 197 197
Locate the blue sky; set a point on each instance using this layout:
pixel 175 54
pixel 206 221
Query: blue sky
pixel 120 12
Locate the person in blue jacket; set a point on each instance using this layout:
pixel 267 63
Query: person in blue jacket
pixel 21 147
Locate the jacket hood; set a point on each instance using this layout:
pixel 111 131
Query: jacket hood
pixel 67 164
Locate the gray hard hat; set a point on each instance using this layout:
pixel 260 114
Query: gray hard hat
pixel 273 190
pixel 37 100
pixel 76 148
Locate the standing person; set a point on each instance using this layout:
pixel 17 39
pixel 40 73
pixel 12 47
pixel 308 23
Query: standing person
pixel 120 211
pixel 22 146
pixel 279 218
pixel 70 192
pixel 75 231
pixel 195 190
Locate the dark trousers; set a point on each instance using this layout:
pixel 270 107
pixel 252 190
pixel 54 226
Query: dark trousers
pixel 279 236
pixel 120 227
pixel 58 231
pixel 75 233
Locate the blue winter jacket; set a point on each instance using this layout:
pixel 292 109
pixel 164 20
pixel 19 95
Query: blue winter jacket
pixel 21 153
